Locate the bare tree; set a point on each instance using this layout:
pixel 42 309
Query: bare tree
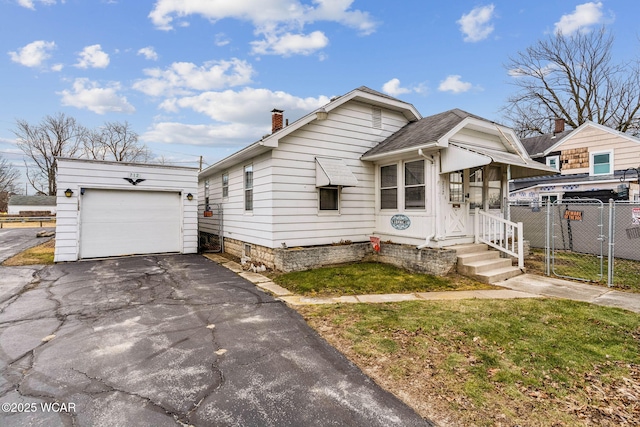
pixel 573 78
pixel 55 136
pixel 117 142
pixel 8 182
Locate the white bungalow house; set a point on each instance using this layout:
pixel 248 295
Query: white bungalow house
pixel 593 161
pixel 364 165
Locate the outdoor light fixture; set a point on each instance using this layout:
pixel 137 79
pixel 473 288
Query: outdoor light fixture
pixel 68 192
pixel 190 197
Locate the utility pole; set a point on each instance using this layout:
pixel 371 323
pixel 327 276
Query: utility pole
pixel 200 162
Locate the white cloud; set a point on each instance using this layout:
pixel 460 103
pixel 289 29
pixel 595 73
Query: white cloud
pixel 233 135
pixel 584 16
pixel 279 21
pixel 100 100
pixel 182 78
pixel 290 44
pixel 476 24
pixel 247 106
pixel 221 39
pixel 33 54
pixel 93 57
pixel 148 52
pixel 57 67
pixel 241 117
pixel 453 84
pixel 392 87
pixel 30 4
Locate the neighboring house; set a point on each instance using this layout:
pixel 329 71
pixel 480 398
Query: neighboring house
pixel 594 161
pixel 119 208
pixel 32 205
pixel 366 164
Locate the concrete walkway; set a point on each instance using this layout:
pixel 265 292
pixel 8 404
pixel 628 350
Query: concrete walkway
pixel 523 286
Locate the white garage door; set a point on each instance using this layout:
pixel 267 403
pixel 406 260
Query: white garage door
pixel 114 222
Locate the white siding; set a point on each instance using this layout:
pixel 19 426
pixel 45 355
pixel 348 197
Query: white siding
pixel 78 174
pixel 16 209
pixel 248 226
pixel 347 134
pixel 285 195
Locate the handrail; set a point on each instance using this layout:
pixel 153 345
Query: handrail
pixel 501 234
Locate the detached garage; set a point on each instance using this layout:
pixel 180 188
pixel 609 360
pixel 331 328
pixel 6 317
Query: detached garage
pixel 110 209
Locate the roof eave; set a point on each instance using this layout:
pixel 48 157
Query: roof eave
pixel 397 153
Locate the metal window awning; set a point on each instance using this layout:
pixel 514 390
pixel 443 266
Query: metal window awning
pixel 461 156
pixel 334 172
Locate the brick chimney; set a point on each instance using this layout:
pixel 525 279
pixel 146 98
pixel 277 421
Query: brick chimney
pixel 276 120
pixel 559 126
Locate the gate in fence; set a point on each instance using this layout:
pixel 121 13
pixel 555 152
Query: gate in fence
pixel 210 228
pixel 576 239
pixel 583 239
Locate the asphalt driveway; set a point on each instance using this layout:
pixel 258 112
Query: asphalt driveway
pixel 15 240
pixel 166 341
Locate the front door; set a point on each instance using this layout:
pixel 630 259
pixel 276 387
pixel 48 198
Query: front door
pixel 456 212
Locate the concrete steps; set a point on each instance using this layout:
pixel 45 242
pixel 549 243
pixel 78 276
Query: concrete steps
pixel 484 264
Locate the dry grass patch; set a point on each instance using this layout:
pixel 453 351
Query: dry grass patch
pixel 41 254
pixel 31 224
pixel 496 362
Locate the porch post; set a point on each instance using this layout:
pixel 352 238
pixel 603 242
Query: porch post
pixel 476 225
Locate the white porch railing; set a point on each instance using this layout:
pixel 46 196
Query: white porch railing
pixel 501 234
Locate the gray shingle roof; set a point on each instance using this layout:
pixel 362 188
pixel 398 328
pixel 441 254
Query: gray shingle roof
pixel 428 129
pixel 32 200
pixel 538 144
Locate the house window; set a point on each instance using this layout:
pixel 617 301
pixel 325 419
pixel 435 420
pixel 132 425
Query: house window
pixel 225 184
pixel 476 183
pixel 389 187
pixel 456 187
pixel 206 192
pixel 494 187
pixel 414 191
pixel 553 162
pixel 601 163
pixel 329 197
pixel 248 188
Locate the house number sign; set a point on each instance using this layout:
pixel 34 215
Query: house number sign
pixel 400 222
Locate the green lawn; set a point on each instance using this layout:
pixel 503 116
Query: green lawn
pixel 370 278
pixel 496 362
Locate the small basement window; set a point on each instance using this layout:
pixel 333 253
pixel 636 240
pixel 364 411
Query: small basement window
pixel 329 197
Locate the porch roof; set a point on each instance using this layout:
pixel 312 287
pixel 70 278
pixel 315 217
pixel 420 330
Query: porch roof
pixel 462 156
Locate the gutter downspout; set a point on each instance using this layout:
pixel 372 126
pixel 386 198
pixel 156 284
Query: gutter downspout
pixel 434 177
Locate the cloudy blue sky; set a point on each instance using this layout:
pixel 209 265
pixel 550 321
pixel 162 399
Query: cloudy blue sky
pixel 199 77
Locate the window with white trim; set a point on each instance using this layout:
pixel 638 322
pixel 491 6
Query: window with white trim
pixel 553 162
pixel 601 162
pixel 329 198
pixel 389 187
pixel 456 187
pixel 414 188
pixel 248 188
pixel 225 184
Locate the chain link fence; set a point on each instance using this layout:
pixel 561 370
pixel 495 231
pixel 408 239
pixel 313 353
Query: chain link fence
pixel 582 239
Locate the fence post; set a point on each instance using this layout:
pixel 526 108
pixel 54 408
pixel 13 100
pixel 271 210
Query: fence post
pixel 547 239
pixel 612 215
pixel 520 246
